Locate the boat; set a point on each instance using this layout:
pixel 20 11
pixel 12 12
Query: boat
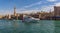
pixel 30 19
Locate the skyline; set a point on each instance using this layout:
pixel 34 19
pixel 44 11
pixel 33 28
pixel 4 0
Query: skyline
pixel 24 6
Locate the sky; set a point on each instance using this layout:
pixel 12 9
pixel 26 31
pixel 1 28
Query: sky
pixel 27 6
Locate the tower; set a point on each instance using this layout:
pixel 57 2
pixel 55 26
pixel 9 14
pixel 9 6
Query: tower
pixel 14 11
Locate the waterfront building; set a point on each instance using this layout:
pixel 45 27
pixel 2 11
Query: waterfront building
pixel 19 16
pixel 1 16
pixel 15 16
pixel 56 13
pixel 9 16
pixel 56 10
pixel 45 15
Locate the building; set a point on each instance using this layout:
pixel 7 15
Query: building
pixel 56 10
pixel 56 13
pixel 1 16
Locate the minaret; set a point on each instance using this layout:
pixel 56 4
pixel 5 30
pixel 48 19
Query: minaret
pixel 14 11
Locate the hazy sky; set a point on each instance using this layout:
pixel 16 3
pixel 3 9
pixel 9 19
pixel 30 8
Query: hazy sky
pixel 7 6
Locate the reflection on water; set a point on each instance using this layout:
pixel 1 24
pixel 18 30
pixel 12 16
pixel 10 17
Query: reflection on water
pixel 44 26
pixel 57 26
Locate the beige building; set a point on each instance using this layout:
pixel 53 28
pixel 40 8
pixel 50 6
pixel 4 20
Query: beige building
pixel 1 16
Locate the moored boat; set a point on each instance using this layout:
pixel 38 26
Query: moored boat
pixel 30 19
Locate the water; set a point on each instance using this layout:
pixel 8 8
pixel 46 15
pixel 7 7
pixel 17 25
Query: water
pixel 43 26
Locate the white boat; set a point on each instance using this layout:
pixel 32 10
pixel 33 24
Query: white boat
pixel 30 19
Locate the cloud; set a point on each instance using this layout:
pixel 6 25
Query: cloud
pixel 6 12
pixel 57 4
pixel 51 0
pixel 24 9
pixel 42 8
pixel 47 8
pixel 40 2
pixel 50 7
pixel 28 11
